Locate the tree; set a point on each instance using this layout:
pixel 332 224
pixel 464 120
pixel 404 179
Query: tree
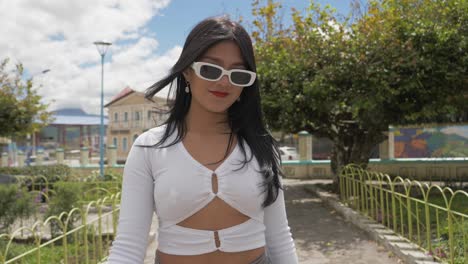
pixel 21 110
pixel 399 62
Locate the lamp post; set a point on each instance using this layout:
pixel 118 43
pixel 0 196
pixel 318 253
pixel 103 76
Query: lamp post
pixel 33 137
pixel 102 47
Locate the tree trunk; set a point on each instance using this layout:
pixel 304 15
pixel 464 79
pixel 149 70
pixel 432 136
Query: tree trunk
pixel 352 147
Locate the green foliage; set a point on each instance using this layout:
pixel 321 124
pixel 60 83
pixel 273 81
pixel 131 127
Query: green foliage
pixel 108 176
pixel 440 243
pixel 21 109
pixel 92 191
pixel 69 195
pixel 7 206
pixel 93 187
pixel 15 203
pixel 55 253
pixel 402 62
pixel 48 254
pixel 51 172
pixel 66 198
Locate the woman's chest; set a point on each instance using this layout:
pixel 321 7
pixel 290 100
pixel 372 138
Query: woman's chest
pixel 188 182
pixel 183 183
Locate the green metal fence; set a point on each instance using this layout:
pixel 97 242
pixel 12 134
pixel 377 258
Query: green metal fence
pixel 433 217
pixel 82 235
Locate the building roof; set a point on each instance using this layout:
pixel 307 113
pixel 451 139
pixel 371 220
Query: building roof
pixel 70 112
pixel 75 116
pixel 124 93
pixel 128 91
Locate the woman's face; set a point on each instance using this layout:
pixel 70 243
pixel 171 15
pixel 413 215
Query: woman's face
pixel 216 96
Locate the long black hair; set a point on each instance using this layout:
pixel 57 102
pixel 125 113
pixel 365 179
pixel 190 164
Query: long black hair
pixel 245 116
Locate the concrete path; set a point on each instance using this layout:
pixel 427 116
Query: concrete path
pixel 321 235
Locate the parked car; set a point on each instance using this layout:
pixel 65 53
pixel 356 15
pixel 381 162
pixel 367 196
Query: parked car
pixel 288 153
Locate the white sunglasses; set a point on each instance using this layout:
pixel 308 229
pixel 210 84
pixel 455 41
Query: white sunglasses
pixel 213 72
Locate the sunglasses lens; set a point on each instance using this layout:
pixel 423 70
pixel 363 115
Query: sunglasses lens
pixel 210 72
pixel 240 78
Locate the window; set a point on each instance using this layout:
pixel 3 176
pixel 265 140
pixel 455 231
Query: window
pixel 124 144
pixel 114 142
pixel 137 115
pixel 116 117
pixel 125 117
pixel 149 115
pixel 135 137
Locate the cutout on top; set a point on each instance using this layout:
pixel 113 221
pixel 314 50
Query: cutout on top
pixel 217 214
pixel 216 238
pixel 214 183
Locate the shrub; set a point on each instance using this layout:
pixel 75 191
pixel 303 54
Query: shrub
pixel 108 176
pixel 15 203
pixel 53 173
pixel 66 198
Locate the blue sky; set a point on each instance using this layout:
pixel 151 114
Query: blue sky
pixel 180 16
pixel 147 37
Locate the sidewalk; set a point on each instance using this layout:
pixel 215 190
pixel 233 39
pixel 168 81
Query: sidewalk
pixel 320 234
pixel 323 237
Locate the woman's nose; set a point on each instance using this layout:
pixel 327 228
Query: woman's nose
pixel 224 80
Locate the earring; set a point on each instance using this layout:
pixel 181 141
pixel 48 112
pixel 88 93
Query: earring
pixel 187 88
pixel 238 99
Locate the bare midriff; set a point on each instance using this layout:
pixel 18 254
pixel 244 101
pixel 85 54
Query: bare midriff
pixel 244 257
pixel 215 216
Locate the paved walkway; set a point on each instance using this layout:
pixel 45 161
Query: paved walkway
pixel 321 236
pixel 324 237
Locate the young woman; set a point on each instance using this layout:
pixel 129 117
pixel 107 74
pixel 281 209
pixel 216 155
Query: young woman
pixel 212 172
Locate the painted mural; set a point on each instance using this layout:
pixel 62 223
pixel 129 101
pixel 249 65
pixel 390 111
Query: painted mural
pixel 444 141
pixel 414 142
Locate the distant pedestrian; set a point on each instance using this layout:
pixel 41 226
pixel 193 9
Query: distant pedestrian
pixel 28 157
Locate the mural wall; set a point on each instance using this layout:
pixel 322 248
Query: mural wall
pixel 443 141
pixel 414 142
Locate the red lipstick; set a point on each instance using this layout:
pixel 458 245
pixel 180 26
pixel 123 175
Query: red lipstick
pixel 219 94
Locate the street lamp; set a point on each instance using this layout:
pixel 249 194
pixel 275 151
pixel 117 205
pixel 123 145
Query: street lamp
pixel 102 49
pixel 33 138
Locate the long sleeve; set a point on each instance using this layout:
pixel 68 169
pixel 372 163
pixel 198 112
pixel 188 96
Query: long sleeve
pixel 136 209
pixel 280 245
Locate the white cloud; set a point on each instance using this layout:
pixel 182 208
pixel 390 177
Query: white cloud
pixel 459 130
pixel 58 35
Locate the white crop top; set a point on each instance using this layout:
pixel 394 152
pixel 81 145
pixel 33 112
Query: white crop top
pixel 175 185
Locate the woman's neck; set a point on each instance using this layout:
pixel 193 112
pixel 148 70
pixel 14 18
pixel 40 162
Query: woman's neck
pixel 202 122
